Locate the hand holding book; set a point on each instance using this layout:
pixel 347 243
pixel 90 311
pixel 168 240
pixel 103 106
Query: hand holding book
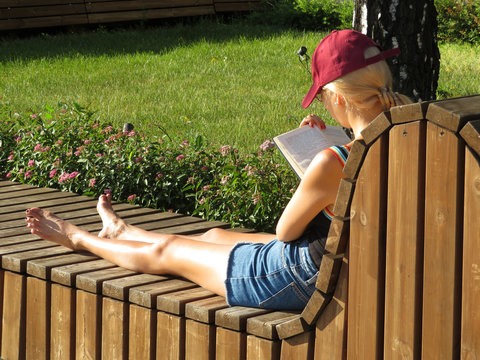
pixel 299 146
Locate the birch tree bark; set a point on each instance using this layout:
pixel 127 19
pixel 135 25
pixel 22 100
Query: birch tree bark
pixel 411 25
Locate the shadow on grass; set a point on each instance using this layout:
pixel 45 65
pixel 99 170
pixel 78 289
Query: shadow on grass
pixel 154 37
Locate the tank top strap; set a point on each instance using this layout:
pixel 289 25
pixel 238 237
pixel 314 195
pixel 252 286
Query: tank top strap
pixel 341 153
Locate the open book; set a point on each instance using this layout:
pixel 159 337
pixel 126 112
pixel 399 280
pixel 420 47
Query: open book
pixel 300 146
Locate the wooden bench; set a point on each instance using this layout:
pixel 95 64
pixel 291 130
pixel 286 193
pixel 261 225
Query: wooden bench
pixel 403 256
pixel 25 14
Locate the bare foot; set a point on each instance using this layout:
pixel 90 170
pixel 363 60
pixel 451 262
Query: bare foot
pixel 46 225
pixel 113 225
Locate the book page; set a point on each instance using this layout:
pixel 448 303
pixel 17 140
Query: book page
pixel 300 146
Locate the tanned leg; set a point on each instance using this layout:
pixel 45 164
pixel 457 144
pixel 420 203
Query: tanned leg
pixel 115 227
pixel 201 262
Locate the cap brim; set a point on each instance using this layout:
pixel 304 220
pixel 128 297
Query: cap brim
pixel 307 100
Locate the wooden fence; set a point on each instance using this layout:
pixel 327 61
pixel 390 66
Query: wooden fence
pixel 25 14
pixel 401 278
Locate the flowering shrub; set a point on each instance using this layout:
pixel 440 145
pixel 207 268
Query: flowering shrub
pixel 66 148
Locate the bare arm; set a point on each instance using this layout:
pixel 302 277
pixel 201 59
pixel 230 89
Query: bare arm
pixel 317 190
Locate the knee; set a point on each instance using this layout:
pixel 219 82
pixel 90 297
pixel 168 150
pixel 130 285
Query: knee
pixel 213 234
pixel 158 253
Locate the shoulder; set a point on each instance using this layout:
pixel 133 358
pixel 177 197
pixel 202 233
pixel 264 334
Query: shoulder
pixel 325 166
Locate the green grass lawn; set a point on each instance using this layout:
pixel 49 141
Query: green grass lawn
pixel 235 84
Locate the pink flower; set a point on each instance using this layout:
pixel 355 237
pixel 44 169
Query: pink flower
pixel 31 163
pixel 9 175
pixel 99 155
pixel 206 188
pixel 95 125
pixel 92 182
pixel 267 145
pixel 59 142
pixel 107 191
pixel 131 197
pixel 63 177
pixel 78 152
pixel 18 139
pixel 159 176
pixel 86 142
pixel 33 116
pixel 53 173
pixel 224 179
pixel 28 174
pixel 20 171
pixel 202 200
pixel 204 168
pixel 180 157
pixel 73 175
pixel 139 159
pixel 225 149
pixel 46 148
pixel 37 147
pixel 10 158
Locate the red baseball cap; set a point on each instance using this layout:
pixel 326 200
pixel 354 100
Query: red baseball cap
pixel 338 54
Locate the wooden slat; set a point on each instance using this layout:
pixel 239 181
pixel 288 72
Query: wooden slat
pixel 18 261
pixel 170 336
pixel 67 274
pixel 265 325
pixel 145 295
pixel 235 318
pixel 293 327
pixel 62 323
pixel 328 272
pixel 94 18
pixel 88 325
pixel 355 159
pixel 470 343
pixel 409 113
pixel 258 348
pixel 199 340
pixel 38 319
pixel 114 343
pixel 331 329
pixel 377 127
pixel 39 11
pixel 175 302
pixel 404 253
pixel 26 3
pixel 344 196
pixel 92 281
pixel 118 288
pixel 230 344
pixel 454 113
pixel 367 256
pixel 443 229
pixel 204 310
pixel 141 336
pixel 97 6
pixel 471 135
pixel 235 6
pixel 13 324
pixel 42 268
pixel 299 347
pixel 337 236
pixel 316 304
pixel 50 21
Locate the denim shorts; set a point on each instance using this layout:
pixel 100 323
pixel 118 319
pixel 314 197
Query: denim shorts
pixel 276 275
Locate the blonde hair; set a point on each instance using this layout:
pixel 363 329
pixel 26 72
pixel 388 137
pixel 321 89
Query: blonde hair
pixel 364 88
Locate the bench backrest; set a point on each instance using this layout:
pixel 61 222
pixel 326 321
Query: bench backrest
pixel 406 240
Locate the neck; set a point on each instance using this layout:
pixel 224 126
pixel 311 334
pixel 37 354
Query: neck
pixel 359 121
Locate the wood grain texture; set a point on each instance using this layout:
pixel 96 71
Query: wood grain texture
pixel 471 134
pixel 331 329
pixel 170 336
pixel 409 113
pixel 37 319
pixel 404 252
pixel 141 334
pixel 376 128
pixel 338 235
pixel 258 348
pixel 88 325
pixel 443 228
pixel 114 325
pixel 355 159
pixel 199 341
pixel 367 256
pixel 14 311
pixel 62 324
pixel 452 114
pixel 344 197
pixel 470 343
pixel 230 344
pixel 299 347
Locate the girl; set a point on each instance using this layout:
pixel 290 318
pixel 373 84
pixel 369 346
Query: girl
pixel 352 80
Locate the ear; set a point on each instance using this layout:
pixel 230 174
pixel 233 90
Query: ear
pixel 339 99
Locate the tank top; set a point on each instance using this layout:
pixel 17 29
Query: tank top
pixel 317 230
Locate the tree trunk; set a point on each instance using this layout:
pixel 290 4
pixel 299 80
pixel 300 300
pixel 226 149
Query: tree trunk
pixel 412 26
